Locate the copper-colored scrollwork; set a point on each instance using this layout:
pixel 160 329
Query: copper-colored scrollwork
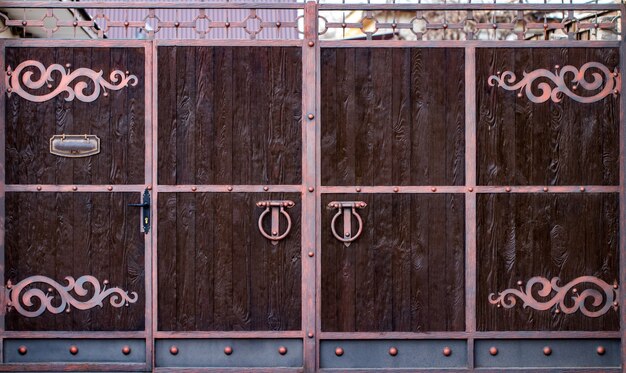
pixel 347 209
pixel 19 79
pixel 277 208
pixel 610 82
pixel 567 299
pixel 21 296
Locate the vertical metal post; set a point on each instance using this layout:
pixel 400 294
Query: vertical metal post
pixel 2 194
pixel 622 185
pixel 470 200
pixel 309 187
pixel 150 239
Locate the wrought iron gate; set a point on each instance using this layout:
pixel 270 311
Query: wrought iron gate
pixel 312 204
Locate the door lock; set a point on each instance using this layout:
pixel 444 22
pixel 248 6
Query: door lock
pixel 145 210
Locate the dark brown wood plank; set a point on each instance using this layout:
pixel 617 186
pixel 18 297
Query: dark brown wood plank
pixel 397 275
pixel 58 235
pixel 402 114
pixel 117 119
pixel 245 130
pixel 565 143
pixel 250 285
pixel 520 236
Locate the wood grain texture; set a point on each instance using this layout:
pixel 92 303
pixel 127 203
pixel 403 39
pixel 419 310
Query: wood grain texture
pixel 406 271
pixel 392 116
pixel 216 271
pixel 230 115
pixel 117 119
pixel 520 236
pixel 76 234
pixel 523 143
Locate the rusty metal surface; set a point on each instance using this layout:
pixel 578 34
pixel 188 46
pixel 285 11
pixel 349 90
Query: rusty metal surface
pixel 31 301
pixel 35 75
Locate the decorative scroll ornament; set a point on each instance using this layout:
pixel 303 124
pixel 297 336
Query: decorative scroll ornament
pixel 46 76
pixel 65 300
pixel 610 80
pixel 567 298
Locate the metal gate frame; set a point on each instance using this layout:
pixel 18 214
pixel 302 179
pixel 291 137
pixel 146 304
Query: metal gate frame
pixel 311 188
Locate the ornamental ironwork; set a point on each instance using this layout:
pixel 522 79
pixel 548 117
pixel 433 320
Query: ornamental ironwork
pixel 601 78
pixel 23 78
pixel 567 299
pixel 23 296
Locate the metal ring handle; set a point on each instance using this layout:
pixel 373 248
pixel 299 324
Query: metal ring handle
pixel 270 237
pixel 358 219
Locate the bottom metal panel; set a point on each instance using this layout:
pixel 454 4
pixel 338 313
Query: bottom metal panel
pixel 548 353
pixel 85 351
pixel 228 353
pixel 393 354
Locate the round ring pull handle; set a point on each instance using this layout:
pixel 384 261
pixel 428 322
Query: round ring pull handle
pixel 276 208
pixel 347 209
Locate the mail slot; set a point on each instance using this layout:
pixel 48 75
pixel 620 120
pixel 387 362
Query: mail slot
pixel 74 146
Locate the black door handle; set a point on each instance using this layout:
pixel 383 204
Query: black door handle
pixel 145 210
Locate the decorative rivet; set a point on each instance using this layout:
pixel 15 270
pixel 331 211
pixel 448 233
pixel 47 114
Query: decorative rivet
pixel 282 350
pixel 106 282
pixel 310 116
pixel 545 25
pixel 447 351
pixel 358 189
pixel 493 351
pixel 393 25
pixel 547 351
pixel 230 189
pixel 50 290
pixel 193 188
pixel 74 188
pixel 24 23
pixel 310 335
pixel 68 65
pixel 311 189
pixel 556 66
pixel 582 189
pixel 557 311
pixel 105 94
pixel 109 188
pixel 519 94
pixel 9 89
pixel 22 350
pixel 176 24
pixel 396 189
pixel 149 187
pixel 615 304
pixel 126 24
pixel 545 189
pixel 433 189
pixel 38 187
pixel 574 290
pixel 266 188
pixel 362 204
pixel 519 283
pixel 126 350
pixel 228 350
pixel 445 26
pixel 75 23
pixel 174 350
pixel 338 351
pixel 277 24
pixel 73 350
pixel 470 189
pixel 67 310
pixel 393 351
pixel 615 286
pixel 311 43
pixel 596 25
pixel 311 254
pixel 227 24
pixel 507 189
pixel 615 91
pixel 344 25
pixel 601 350
pixel 127 72
pixel 495 26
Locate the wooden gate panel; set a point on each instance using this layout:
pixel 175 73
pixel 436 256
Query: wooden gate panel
pixel 520 236
pixel 75 234
pixel 392 118
pixel 230 115
pixel 524 143
pixel 404 273
pixel 216 270
pixel 116 117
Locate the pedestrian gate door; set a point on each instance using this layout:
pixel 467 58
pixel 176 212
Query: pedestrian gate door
pixel 423 195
